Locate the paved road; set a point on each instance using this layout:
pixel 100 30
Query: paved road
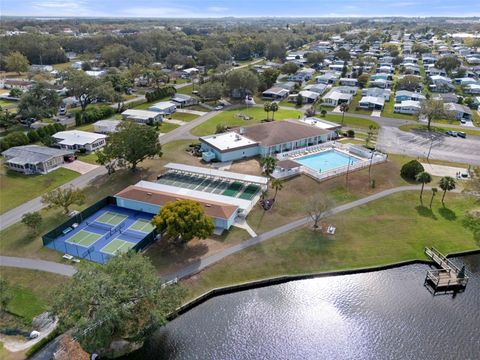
pixel 15 215
pixel 202 263
pixel 417 144
pixel 35 264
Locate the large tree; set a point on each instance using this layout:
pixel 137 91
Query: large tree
pixel 241 82
pixel 87 88
pixel 212 90
pixel 17 62
pixel 448 63
pixel 433 110
pixel 39 102
pixel 447 183
pixel 317 207
pixel 268 164
pixel 33 220
pixel 122 299
pixel 64 197
pixel 182 220
pixel 130 145
pixel 424 178
pixel 410 83
pixel 315 57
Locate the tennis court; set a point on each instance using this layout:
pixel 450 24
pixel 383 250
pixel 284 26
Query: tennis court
pixel 83 238
pixel 141 225
pixel 233 189
pixel 249 192
pixel 117 246
pixel 111 218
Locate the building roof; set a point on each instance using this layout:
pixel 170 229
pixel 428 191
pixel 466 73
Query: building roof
pixel 288 164
pixel 107 122
pixel 228 141
pixel 77 137
pixel 161 198
pixel 33 154
pixel 409 103
pixel 279 132
pixel 309 94
pixel 321 123
pixel 372 100
pixel 181 97
pixel 140 114
pixel 276 90
pixel 163 105
pixel 337 95
pixel 457 107
pixel 218 173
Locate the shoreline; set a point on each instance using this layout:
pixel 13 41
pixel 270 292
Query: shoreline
pixel 277 280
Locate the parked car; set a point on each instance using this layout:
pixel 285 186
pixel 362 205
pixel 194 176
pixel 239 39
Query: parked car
pixel 218 108
pixel 452 133
pixel 461 134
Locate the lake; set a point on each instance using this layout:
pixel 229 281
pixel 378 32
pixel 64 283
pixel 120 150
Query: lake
pixel 385 314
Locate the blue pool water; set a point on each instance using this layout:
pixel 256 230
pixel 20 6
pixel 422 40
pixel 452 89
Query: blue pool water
pixel 326 160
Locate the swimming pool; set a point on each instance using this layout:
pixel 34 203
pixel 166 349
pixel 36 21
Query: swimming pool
pixel 326 160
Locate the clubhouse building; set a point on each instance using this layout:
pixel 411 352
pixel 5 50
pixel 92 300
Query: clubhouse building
pixel 264 139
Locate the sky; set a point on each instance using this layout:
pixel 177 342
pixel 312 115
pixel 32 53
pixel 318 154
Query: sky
pixel 239 8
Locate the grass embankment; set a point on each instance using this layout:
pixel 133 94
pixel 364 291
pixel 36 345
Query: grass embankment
pixel 351 121
pixel 16 188
pixel 385 231
pixel 438 129
pixel 231 118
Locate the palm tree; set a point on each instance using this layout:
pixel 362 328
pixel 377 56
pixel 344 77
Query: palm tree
pixel 273 109
pixel 267 107
pixel 268 163
pixel 343 109
pixel 434 192
pixel 277 185
pixel 423 177
pixel 446 183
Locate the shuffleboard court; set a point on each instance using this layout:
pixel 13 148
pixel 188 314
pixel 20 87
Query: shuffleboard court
pixel 111 218
pixel 141 225
pixel 117 246
pixel 233 189
pixel 84 238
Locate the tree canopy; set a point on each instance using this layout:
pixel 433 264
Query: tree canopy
pixel 129 146
pixel 122 299
pixel 241 82
pixel 183 220
pixel 17 62
pixel 64 197
pixel 39 102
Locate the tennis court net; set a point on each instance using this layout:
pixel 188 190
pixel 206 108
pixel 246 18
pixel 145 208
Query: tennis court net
pixel 100 226
pixel 134 234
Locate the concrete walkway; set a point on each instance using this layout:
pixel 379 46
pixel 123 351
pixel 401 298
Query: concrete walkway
pixel 80 166
pixel 242 224
pixel 207 261
pixel 35 264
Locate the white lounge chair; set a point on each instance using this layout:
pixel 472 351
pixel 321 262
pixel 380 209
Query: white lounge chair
pixel 331 230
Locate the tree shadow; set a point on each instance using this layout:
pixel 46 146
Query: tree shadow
pixel 425 212
pixel 447 214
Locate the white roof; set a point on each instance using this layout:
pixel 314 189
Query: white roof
pixel 227 141
pixel 140 114
pixel 77 137
pixel 372 100
pixel 409 103
pixel 309 94
pixel 320 123
pixel 241 203
pixel 218 173
pixel 107 122
pixel 163 105
pixel 337 95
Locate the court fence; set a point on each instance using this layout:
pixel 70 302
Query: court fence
pixel 91 253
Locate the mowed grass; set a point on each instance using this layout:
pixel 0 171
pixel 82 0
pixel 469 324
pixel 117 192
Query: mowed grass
pixel 389 230
pixel 16 188
pixel 230 118
pixel 184 116
pixel 167 127
pixel 351 121
pixel 33 291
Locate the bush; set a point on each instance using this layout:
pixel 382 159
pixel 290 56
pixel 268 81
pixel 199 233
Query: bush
pixel 323 112
pixel 33 136
pixel 59 127
pixel 350 133
pixel 41 132
pixel 39 345
pixel 93 113
pixel 220 129
pixel 16 138
pixel 411 169
pixel 160 93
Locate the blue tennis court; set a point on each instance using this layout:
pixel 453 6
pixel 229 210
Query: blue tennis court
pixel 108 231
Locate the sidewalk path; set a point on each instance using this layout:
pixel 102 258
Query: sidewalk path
pixel 35 264
pixel 207 261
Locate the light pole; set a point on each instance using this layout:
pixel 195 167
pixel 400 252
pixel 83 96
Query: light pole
pixel 431 145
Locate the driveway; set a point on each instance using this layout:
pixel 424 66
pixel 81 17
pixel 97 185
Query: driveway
pixel 80 166
pixel 417 144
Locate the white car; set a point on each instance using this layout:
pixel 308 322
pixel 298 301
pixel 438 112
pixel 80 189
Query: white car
pixel 218 108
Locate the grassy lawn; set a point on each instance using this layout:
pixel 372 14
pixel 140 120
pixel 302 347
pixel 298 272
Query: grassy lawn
pixel 388 230
pixel 351 121
pixel 186 89
pixel 230 118
pixel 86 127
pixel 184 116
pixel 88 158
pixel 167 127
pixel 443 129
pixel 388 112
pixel 353 107
pixel 16 188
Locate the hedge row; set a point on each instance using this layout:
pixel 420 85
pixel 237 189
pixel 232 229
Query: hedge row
pixel 160 93
pixel 93 113
pixel 19 138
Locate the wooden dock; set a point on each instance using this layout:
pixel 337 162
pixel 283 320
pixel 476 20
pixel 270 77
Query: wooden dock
pixel 448 277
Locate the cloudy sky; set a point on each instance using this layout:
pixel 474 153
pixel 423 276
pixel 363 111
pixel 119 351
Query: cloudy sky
pixel 239 8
